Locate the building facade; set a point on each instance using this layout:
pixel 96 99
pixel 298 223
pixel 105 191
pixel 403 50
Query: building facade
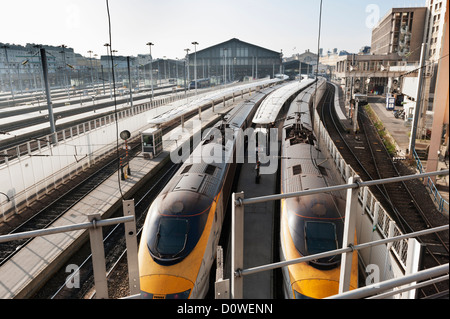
pixel 401 32
pixel 233 60
pixel 434 27
pixel 21 68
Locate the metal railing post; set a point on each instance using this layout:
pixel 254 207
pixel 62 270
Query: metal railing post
pixel 132 248
pixel 222 286
pixel 412 263
pixel 237 245
pixel 351 207
pixel 98 258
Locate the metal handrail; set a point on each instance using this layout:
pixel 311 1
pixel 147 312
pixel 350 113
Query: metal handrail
pixel 66 228
pixel 94 225
pixel 261 199
pixel 373 289
pixel 340 251
pixel 442 202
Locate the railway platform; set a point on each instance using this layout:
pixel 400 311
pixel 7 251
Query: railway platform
pixel 15 119
pixel 259 246
pixel 31 266
pixel 342 110
pixel 395 127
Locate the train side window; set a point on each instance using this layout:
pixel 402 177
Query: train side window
pixel 323 170
pixel 147 140
pixel 186 169
pixel 210 169
pixel 297 169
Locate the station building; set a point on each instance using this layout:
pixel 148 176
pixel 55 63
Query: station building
pixel 234 60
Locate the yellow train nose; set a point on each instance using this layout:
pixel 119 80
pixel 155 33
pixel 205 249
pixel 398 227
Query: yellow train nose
pixel 315 288
pixel 165 287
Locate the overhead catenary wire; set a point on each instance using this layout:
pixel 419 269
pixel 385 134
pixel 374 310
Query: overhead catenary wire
pixel 318 59
pixel 115 100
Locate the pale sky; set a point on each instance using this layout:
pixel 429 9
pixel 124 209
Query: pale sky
pixel 172 25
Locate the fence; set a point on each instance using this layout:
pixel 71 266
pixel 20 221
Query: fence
pixel 95 225
pixel 352 187
pixel 442 203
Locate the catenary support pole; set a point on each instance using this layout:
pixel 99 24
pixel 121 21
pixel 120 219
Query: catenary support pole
pixel 47 92
pixel 412 138
pixel 130 85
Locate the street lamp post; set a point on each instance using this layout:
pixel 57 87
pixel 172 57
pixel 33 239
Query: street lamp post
pixel 9 72
pixel 225 66
pixel 95 68
pixel 187 65
pixel 177 70
pixel 165 70
pixel 66 77
pixel 195 43
pixel 115 70
pixel 109 74
pixel 92 74
pixel 151 66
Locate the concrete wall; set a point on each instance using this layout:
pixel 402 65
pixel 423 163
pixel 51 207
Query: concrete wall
pixel 26 178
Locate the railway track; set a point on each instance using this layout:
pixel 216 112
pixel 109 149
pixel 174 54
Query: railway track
pixel 56 207
pixel 115 249
pixel 74 193
pixel 19 146
pixel 408 203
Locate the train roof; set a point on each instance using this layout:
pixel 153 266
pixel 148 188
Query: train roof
pixel 268 110
pixel 151 130
pixel 203 99
pixel 195 171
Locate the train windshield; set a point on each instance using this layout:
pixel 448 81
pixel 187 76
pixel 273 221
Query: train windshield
pixel 320 237
pixel 175 227
pixel 147 139
pixel 171 236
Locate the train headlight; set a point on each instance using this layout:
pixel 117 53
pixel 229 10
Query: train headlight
pixel 165 287
pixel 180 295
pixel 298 295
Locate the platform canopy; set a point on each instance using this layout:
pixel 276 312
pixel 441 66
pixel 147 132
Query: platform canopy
pixel 181 107
pixel 268 110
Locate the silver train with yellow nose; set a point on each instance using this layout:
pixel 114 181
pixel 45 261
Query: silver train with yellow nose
pixel 314 223
pixel 184 223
